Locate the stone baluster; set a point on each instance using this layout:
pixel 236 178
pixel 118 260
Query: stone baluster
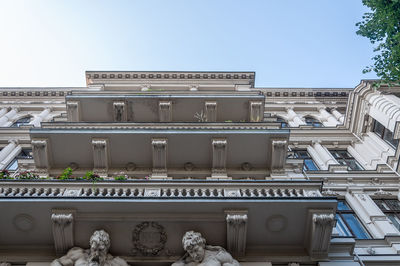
pixel 338 115
pixel 40 117
pixel 293 118
pixel 8 117
pixel 327 119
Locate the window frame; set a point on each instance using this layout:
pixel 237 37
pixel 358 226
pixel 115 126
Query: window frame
pixel 390 210
pixel 383 133
pixel 345 160
pixel 312 121
pixel 305 158
pixel 18 124
pixel 340 212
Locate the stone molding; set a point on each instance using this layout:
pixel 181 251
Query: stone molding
pixel 321 224
pixel 165 189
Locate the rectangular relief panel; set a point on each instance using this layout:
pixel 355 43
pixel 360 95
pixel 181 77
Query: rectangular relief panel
pixel 100 154
pixel 73 111
pixel 159 147
pixel 40 150
pixel 219 148
pixel 119 111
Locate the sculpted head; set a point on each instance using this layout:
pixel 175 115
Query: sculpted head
pixel 194 244
pixel 99 245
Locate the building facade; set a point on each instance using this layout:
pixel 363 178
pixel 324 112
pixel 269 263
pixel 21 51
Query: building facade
pixel 274 176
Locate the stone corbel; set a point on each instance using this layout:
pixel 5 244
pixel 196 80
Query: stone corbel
pixel 211 111
pixel 320 228
pixel 165 111
pixel 73 112
pixel 236 232
pixel 119 109
pixel 100 154
pixel 256 111
pixel 278 155
pixel 159 147
pixel 63 230
pixel 219 148
pixel 40 150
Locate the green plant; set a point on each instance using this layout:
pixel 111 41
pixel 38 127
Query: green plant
pixel 120 178
pixel 66 174
pixel 27 175
pixel 4 174
pixel 92 176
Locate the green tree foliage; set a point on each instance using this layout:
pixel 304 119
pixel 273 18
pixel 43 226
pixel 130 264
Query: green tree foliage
pixel 382 27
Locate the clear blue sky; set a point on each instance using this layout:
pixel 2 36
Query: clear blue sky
pixel 289 43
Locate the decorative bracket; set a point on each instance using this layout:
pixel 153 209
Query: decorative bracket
pixel 256 111
pixel 119 111
pixel 100 154
pixel 73 111
pixel 159 156
pixel 278 155
pixel 320 231
pixel 211 111
pixel 40 150
pixel 165 111
pixel 219 148
pixel 63 230
pixel 236 232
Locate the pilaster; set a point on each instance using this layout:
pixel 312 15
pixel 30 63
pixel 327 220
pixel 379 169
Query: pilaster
pixel 321 224
pixel 256 111
pixel 40 150
pixel 119 111
pixel 278 155
pixel 101 160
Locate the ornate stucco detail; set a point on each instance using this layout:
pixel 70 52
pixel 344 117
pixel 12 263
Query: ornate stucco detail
pixel 256 111
pixel 63 231
pixel 278 155
pixel 165 111
pixel 40 152
pixel 159 147
pixel 321 226
pixel 119 111
pixel 100 154
pixel 149 238
pixel 219 154
pixel 73 111
pixel 236 232
pixel 97 255
pixel 198 253
pixel 211 111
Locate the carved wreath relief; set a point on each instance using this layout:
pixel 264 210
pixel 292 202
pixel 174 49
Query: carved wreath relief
pixel 149 238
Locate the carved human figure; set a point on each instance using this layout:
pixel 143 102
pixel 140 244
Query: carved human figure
pixel 97 255
pixel 200 254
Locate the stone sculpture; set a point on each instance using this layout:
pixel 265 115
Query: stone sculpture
pixel 97 255
pixel 200 254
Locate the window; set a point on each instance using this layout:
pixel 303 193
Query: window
pixel 309 164
pixel 311 121
pixel 282 121
pixel 22 122
pixel 385 134
pixel 348 225
pixel 344 158
pixel 24 154
pixel 391 208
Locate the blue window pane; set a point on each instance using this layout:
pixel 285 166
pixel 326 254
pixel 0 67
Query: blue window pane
pixel 355 225
pixel 13 165
pixel 395 220
pixel 341 228
pixel 342 206
pixel 310 165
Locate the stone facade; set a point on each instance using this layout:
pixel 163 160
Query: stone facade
pixel 269 176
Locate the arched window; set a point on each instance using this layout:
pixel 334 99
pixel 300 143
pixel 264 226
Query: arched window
pixel 22 121
pixel 311 121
